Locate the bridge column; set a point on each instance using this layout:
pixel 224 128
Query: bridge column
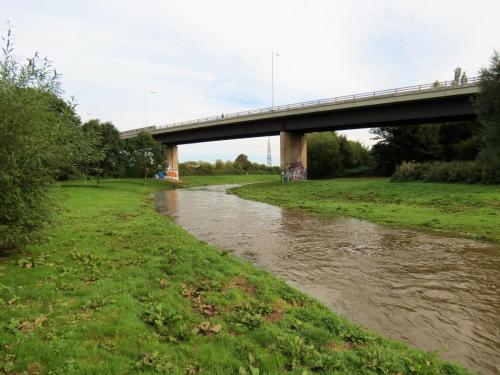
pixel 293 150
pixel 172 162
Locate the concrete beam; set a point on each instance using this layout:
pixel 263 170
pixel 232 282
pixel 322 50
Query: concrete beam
pixel 293 152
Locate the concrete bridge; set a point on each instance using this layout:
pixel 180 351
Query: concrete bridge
pixel 431 103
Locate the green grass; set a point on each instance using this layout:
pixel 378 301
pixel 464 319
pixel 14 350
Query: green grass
pixel 471 211
pixel 117 288
pixel 220 180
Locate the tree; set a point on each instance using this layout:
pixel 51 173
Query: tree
pixel 460 140
pixel 219 164
pixel 323 155
pixel 488 109
pixel 40 138
pixel 330 155
pixel 346 153
pixel 361 155
pixel 405 143
pixel 145 155
pixel 110 144
pixel 242 162
pixel 92 153
pixel 463 79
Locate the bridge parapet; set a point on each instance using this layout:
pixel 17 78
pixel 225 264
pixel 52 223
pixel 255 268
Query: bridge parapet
pixel 134 132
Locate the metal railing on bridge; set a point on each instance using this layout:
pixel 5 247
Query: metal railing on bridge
pixel 445 85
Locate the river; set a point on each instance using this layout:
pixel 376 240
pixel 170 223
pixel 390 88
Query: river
pixel 434 292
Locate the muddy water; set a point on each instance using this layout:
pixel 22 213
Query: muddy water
pixel 436 293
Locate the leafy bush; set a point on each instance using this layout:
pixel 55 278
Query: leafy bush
pixel 469 172
pixel 40 140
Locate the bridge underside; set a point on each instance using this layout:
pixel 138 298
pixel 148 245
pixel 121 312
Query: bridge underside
pixel 446 109
pixel 292 128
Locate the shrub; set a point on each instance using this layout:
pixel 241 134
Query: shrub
pixel 40 138
pixel 469 172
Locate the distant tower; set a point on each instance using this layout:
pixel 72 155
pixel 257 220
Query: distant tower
pixel 269 161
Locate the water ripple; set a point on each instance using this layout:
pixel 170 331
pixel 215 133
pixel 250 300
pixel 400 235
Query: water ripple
pixel 434 292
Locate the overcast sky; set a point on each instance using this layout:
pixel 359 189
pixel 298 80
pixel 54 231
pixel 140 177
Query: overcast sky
pixel 208 57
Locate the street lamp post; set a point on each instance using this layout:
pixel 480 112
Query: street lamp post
pixel 269 160
pixel 272 77
pixel 146 105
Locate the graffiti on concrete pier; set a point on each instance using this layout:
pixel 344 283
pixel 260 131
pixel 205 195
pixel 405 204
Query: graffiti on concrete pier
pixel 294 172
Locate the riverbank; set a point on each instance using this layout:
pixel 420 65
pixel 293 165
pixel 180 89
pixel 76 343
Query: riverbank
pixel 471 211
pixel 118 288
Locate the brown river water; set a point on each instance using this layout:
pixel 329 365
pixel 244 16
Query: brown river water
pixel 433 292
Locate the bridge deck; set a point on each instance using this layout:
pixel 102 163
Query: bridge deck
pixel 442 95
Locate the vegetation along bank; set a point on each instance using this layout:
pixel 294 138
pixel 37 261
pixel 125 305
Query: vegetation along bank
pixel 118 288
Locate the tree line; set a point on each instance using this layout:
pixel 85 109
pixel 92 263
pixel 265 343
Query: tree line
pixel 424 143
pixel 241 165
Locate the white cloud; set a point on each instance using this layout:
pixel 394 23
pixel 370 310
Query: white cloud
pixel 205 58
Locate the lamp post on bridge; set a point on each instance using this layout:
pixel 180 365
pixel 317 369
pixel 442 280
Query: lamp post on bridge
pixel 269 160
pixel 272 77
pixel 146 105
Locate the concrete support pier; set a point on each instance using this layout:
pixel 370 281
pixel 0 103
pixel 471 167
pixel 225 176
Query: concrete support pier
pixel 172 162
pixel 293 150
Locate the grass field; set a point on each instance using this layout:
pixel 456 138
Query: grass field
pixel 117 288
pixel 471 211
pixel 234 179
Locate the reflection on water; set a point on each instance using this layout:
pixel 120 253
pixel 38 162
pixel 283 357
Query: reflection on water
pixel 437 293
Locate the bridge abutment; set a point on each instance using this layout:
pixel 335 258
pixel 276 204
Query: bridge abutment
pixel 172 162
pixel 293 151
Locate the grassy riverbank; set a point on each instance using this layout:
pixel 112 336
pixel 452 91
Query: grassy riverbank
pixel 119 289
pixel 471 211
pixel 188 181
